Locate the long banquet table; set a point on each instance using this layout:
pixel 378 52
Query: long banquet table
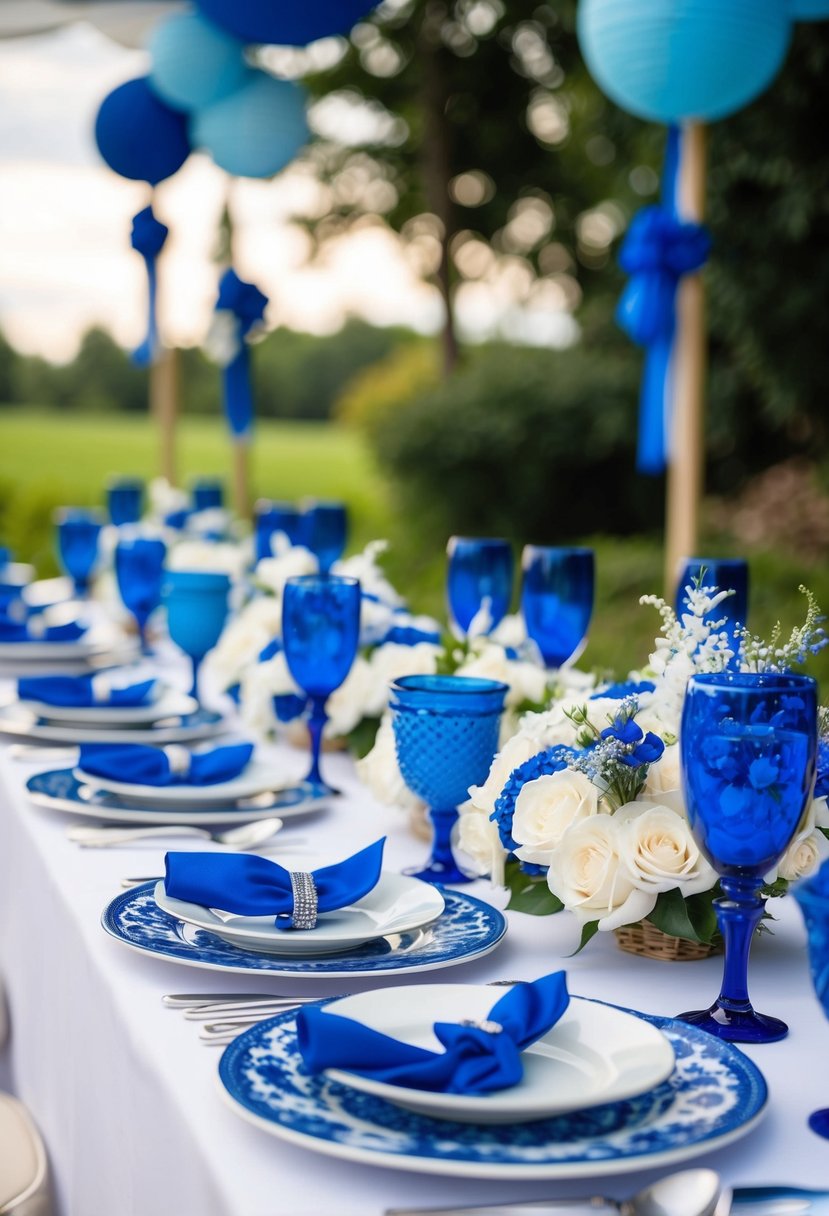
pixel 127 1097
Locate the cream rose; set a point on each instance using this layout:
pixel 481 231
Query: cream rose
pixel 515 752
pixel 659 852
pixel 587 875
pixel 260 683
pixel 244 639
pixel 380 771
pixel 391 661
pixel 526 681
pixel 479 841
pixel 273 572
pixel 546 808
pixel 347 704
pixel 204 555
pixel 801 858
pixel 663 784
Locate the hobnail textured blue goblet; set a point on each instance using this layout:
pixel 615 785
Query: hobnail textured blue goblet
pixel 196 603
pixel 725 573
pixel 445 735
pixel 813 898
pixel 208 494
pixel 324 532
pixel 272 517
pixel 125 500
pixel 479 576
pixel 78 532
pixel 557 599
pixel 748 744
pixel 139 569
pixel 320 635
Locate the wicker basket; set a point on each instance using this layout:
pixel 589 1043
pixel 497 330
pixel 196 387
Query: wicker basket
pixel 646 940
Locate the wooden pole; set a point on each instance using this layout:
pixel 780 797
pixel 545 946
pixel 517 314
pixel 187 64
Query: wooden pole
pixel 164 389
pixel 241 477
pixel 687 458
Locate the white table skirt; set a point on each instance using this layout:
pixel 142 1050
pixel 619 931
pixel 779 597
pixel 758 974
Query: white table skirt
pixel 128 1099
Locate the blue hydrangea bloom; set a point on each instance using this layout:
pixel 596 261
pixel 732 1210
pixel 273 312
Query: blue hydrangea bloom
pixel 628 688
pixel 270 651
pixel 289 706
pixel 553 760
pixel 408 635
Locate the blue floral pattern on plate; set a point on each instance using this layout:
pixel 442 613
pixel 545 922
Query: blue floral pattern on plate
pixel 715 1095
pixel 467 928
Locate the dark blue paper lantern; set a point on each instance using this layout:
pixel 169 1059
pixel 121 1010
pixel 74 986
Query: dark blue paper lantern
pixel 671 60
pixel 194 62
pixel 809 10
pixel 285 21
pixel 139 136
pixel 257 130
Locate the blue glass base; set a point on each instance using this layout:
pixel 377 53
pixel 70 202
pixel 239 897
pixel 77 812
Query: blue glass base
pixel 737 1025
pixel 819 1122
pixel 438 872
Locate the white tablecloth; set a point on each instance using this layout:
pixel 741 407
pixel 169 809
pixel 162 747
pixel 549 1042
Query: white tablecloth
pixel 128 1098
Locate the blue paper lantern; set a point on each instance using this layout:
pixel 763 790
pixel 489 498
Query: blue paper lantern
pixel 808 10
pixel 194 62
pixel 139 136
pixel 671 60
pixel 285 21
pixel 257 130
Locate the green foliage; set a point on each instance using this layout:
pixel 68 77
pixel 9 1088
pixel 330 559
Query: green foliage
pixel 530 895
pixel 382 387
pixel 693 918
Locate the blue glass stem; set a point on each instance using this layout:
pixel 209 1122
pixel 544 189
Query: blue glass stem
pixel 316 725
pixel 443 820
pixel 738 914
pixel 81 588
pixel 194 691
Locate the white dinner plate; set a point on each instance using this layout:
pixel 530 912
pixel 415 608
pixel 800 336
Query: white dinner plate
pixel 82 648
pixel 396 905
pixel 258 775
pixel 21 723
pixel 593 1055
pixel 170 703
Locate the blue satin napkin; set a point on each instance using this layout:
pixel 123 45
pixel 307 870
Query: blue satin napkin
pixel 478 1059
pixel 18 631
pixel 163 765
pixel 253 886
pixel 83 692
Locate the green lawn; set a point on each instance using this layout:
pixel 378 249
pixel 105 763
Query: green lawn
pixel 47 458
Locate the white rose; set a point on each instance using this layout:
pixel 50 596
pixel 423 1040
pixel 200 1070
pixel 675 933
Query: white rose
pixel 389 662
pixel 551 727
pixel 511 631
pixel 214 557
pixel 803 856
pixel 546 808
pixel 587 875
pixel 292 562
pixel 663 783
pixel 479 841
pixel 659 851
pixel 526 681
pixel 372 579
pixel 347 704
pixel 244 639
pixel 514 753
pixel 164 498
pixel 380 771
pixel 260 683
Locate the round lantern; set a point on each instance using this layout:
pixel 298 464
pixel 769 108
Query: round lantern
pixel 285 21
pixel 139 136
pixel 669 60
pixel 808 10
pixel 257 130
pixel 194 62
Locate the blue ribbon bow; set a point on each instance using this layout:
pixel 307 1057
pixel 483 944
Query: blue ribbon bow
pixel 147 765
pixel 80 692
pixel 148 237
pixel 658 250
pixel 247 304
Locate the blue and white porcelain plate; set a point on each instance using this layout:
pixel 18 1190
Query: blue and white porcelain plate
pixel 467 929
pixel 714 1096
pixel 61 790
pixel 16 719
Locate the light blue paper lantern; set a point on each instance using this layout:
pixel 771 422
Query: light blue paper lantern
pixel 809 10
pixel 194 63
pixel 671 60
pixel 257 130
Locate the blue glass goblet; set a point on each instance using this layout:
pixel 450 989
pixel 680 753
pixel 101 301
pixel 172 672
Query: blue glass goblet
pixel 324 532
pixel 725 573
pixel 557 599
pixel 125 500
pixel 208 494
pixel 271 517
pixel 748 744
pixel 445 735
pixel 196 603
pixel 813 898
pixel 139 569
pixel 78 532
pixel 479 576
pixel 320 635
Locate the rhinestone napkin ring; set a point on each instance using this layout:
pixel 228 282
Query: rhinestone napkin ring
pixel 485 1024
pixel 305 900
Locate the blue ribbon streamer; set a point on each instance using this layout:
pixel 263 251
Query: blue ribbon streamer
pixel 657 251
pixel 247 304
pixel 148 237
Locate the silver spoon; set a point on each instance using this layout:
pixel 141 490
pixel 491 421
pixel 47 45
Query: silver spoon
pixel 243 836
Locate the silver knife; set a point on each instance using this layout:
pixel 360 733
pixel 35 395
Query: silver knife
pixel 750 1200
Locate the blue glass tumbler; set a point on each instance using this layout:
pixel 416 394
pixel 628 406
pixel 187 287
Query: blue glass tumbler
pixel 324 532
pixel 196 603
pixel 748 744
pixel 479 576
pixel 272 517
pixel 208 494
pixel 139 570
pixel 725 573
pixel 125 500
pixel 557 599
pixel 78 533
pixel 320 636
pixel 445 735
pixel 813 897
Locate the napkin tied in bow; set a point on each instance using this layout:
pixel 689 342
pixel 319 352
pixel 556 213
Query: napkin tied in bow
pixel 36 629
pixel 248 885
pixel 85 692
pixel 161 766
pixel 479 1057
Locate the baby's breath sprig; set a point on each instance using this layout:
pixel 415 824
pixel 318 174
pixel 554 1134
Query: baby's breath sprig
pixel 807 639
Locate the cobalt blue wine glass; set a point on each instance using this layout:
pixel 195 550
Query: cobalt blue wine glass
pixel 272 517
pixel 125 500
pixel 320 635
pixel 479 576
pixel 324 532
pixel 139 570
pixel 445 736
pixel 748 744
pixel 557 599
pixel 78 533
pixel 208 494
pixel 196 603
pixel 724 573
pixel 813 897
